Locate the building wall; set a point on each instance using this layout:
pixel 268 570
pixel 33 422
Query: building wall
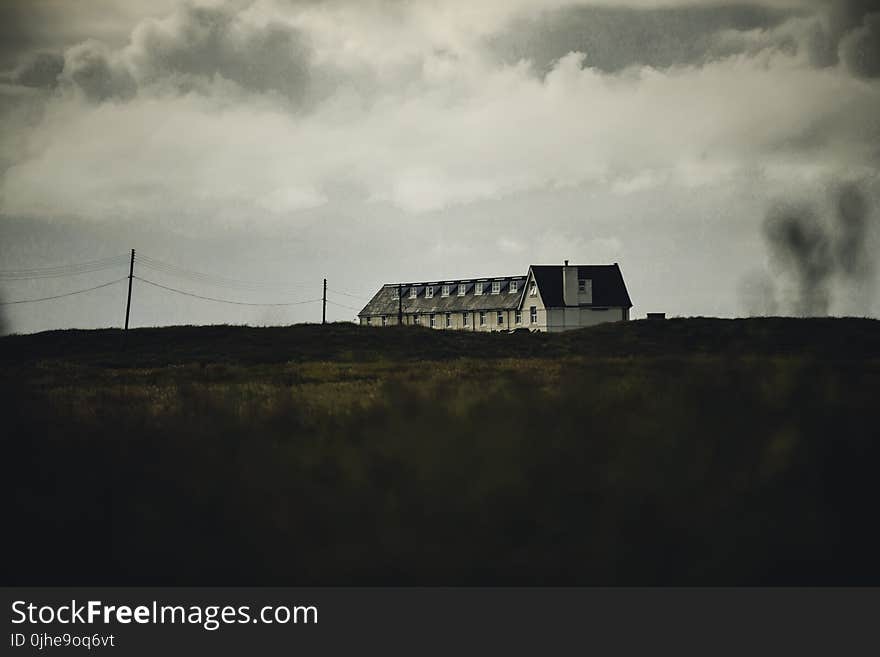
pixel 538 303
pixel 565 319
pixel 553 320
pixel 457 322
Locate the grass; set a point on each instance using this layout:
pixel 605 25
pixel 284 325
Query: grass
pixel 693 451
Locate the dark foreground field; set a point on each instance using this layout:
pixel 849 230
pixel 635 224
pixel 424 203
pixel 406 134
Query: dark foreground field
pixel 689 451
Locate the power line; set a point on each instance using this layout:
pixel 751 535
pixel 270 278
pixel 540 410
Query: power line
pixel 87 263
pixel 212 279
pixel 357 310
pixel 237 303
pixel 349 294
pixel 155 265
pixel 59 271
pixel 59 296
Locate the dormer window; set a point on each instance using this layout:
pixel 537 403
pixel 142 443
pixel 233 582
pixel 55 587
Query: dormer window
pixel 429 292
pixel 496 287
pixel 462 287
pixel 478 288
pixel 395 293
pixel 413 293
pixel 533 292
pixel 513 287
pixel 444 291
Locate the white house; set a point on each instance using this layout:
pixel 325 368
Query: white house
pixel 547 298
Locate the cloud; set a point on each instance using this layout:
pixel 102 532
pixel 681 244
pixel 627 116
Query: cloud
pixel 99 74
pixel 466 131
pixel 199 43
pixel 617 37
pixel 860 48
pixel 253 112
pixel 39 70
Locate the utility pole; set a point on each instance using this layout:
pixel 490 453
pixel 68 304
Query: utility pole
pixel 400 305
pixel 130 277
pixel 324 310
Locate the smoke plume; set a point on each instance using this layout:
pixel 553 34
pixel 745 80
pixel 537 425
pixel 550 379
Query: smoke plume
pixel 818 256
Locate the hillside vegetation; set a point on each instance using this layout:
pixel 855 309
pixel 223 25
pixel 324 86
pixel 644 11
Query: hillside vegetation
pixel 688 451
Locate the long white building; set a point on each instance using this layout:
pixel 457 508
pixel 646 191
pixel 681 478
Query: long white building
pixel 547 298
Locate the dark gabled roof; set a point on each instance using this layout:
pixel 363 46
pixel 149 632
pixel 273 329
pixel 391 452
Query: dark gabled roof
pixel 385 303
pixel 608 286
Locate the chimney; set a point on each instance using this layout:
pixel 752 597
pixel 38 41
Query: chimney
pixel 569 284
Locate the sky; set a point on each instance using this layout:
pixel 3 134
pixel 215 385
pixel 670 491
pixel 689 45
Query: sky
pixel 724 154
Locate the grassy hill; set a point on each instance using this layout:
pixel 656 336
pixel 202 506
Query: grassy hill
pixel 818 337
pixel 687 451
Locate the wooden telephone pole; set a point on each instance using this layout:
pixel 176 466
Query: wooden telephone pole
pixel 324 311
pixel 130 277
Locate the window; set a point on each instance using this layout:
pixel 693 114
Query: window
pixel 533 314
pixel 478 288
pixel 444 291
pixel 433 320
pixel 413 293
pixel 417 320
pixel 429 292
pixel 517 316
pixel 499 318
pixel 368 321
pixel 533 292
pixel 384 320
pixel 448 320
pixel 582 285
pixel 513 287
pixel 496 287
pixel 395 293
pixel 461 288
pixel 464 319
pixel 482 318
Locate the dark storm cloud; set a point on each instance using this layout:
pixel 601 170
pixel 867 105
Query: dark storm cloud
pixel 91 67
pixel 614 38
pixel 818 254
pixel 860 48
pixel 30 26
pixel 203 42
pixel 844 34
pixel 188 49
pixel 37 70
